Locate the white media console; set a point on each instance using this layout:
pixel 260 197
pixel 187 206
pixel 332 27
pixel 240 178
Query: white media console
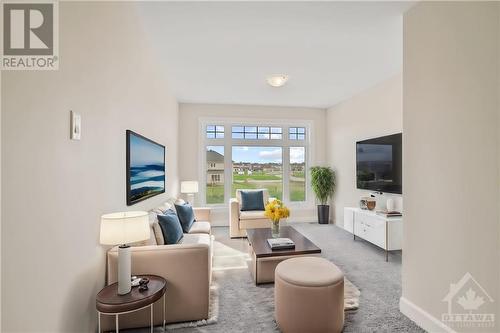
pixel 385 232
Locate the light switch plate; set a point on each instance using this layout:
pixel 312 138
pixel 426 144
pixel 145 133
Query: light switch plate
pixel 75 125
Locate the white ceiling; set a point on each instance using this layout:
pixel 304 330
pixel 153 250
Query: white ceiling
pixel 222 52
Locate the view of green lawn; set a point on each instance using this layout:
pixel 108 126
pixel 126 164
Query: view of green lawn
pixel 271 181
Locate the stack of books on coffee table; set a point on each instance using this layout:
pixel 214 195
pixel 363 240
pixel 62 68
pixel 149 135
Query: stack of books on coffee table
pixel 281 243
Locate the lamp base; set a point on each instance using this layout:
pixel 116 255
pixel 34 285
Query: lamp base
pixel 124 270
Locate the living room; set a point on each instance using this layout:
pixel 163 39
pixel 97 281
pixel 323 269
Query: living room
pixel 243 97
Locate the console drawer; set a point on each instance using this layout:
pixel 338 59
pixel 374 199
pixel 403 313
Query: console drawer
pixel 371 228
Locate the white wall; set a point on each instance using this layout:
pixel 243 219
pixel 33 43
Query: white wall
pixel 451 157
pixel 54 189
pixel 372 113
pixel 189 115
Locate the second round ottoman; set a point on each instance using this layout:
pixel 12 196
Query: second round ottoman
pixel 309 296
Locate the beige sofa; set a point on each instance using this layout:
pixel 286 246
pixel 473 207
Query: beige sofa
pixel 186 267
pixel 239 220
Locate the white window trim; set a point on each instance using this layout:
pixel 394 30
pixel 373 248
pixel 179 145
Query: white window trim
pixel 228 142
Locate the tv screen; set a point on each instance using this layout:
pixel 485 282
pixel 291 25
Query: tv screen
pixel 145 168
pixel 379 164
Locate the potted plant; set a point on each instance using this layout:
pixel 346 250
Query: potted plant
pixel 323 185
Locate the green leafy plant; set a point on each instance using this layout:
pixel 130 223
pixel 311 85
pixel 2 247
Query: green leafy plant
pixel 323 183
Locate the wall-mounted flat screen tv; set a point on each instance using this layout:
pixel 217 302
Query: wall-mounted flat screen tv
pixel 379 164
pixel 145 168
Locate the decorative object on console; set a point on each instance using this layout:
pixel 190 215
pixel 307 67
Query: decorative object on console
pixel 145 168
pixel 276 210
pixel 389 213
pixel 390 206
pixel 122 229
pixel 323 183
pixel 190 188
pixel 186 215
pixel 367 203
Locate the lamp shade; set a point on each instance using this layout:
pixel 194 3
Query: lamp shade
pixel 189 187
pixel 124 228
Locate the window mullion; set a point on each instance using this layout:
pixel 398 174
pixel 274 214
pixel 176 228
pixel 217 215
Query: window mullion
pixel 286 174
pixel 228 168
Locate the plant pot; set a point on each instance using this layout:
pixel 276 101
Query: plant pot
pixel 323 214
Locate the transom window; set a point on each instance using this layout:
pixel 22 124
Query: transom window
pixel 215 132
pixel 257 132
pixel 297 133
pixel 255 156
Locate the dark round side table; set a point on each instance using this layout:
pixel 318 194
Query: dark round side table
pixel 108 301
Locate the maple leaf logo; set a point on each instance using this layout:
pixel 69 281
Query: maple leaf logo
pixel 470 301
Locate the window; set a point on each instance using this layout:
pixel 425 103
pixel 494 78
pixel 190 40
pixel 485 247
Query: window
pixel 257 132
pixel 258 167
pixel 297 178
pixel 215 175
pixel 297 133
pixel 252 156
pixel 215 132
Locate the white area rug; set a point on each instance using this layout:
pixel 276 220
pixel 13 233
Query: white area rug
pixel 351 296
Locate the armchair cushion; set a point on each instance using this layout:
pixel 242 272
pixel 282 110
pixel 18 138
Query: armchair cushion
pixel 252 200
pixel 186 215
pixel 252 215
pixel 170 227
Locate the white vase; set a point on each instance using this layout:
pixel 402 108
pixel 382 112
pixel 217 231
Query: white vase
pixel 390 205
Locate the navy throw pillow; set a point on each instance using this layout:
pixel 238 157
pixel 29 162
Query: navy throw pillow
pixel 186 216
pixel 252 200
pixel 170 227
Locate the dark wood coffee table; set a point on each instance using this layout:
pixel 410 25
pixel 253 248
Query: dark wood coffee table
pixel 110 303
pixel 265 260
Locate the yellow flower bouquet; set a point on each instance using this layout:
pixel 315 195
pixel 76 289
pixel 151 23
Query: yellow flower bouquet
pixel 276 210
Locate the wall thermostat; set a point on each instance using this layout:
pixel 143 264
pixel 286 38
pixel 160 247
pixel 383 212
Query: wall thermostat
pixel 76 126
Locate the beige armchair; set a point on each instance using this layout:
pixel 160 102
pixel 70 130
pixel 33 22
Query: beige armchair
pixel 239 220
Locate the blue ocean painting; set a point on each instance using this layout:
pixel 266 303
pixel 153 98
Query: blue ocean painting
pixel 147 168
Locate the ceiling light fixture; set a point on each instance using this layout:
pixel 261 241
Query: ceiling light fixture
pixel 277 80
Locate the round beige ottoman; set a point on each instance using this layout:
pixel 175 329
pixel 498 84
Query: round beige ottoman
pixel 309 296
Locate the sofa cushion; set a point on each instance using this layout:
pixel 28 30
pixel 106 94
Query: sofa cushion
pixel 186 216
pixel 170 227
pixel 195 239
pixel 252 215
pixel 200 227
pixel 252 200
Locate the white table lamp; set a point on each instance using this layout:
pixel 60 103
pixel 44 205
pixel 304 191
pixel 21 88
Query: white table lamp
pixel 190 188
pixel 121 229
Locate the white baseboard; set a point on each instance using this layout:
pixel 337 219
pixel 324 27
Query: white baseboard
pixel 422 318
